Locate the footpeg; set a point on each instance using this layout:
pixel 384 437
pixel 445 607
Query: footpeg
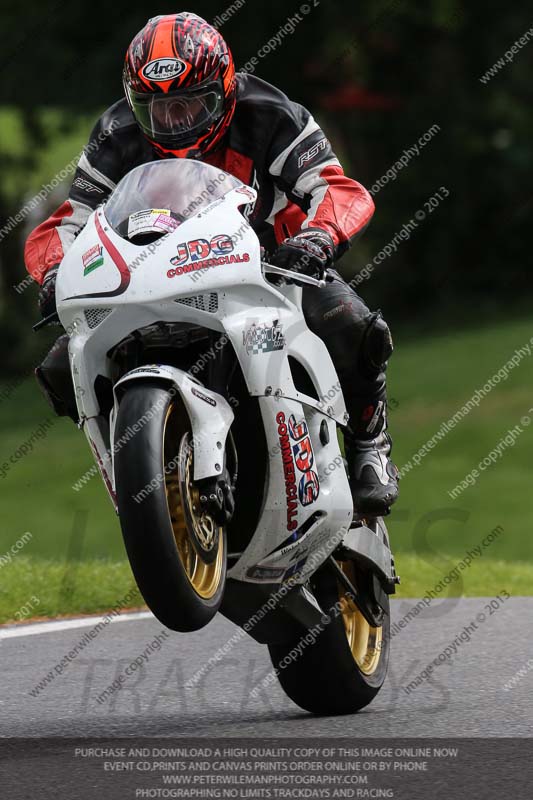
pixel 363 545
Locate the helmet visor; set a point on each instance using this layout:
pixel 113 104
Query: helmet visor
pixel 178 117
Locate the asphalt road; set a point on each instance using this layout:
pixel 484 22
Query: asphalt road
pixel 464 697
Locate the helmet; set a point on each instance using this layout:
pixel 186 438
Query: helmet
pixel 179 81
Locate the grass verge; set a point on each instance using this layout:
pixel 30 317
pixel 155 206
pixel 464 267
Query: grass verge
pixel 97 586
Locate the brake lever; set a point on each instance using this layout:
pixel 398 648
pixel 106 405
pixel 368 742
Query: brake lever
pixel 49 320
pixel 296 277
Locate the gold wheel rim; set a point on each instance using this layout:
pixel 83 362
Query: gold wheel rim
pixel 365 642
pixel 183 505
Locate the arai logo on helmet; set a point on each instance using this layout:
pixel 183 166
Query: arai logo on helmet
pixel 164 69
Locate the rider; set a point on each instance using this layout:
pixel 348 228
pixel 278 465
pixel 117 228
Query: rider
pixel 183 99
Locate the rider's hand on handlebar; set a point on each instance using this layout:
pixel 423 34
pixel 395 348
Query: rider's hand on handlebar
pixel 310 252
pixel 47 293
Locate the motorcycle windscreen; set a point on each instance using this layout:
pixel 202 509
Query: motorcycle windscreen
pixel 180 187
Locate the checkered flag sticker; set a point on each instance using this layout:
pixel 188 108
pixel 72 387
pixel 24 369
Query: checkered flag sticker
pixel 263 338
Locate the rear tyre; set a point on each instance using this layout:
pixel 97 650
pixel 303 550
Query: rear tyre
pixel 344 667
pixel 176 552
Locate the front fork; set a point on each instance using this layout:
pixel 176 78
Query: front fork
pixel 217 494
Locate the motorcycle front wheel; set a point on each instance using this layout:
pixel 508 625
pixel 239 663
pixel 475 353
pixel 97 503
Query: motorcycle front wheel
pixel 341 667
pixel 176 551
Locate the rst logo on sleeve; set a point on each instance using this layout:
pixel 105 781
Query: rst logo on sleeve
pixel 86 185
pixel 164 69
pixel 312 153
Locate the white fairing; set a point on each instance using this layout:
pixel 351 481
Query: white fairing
pixel 210 414
pixel 108 287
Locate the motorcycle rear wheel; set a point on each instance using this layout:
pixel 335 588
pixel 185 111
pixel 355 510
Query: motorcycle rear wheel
pixel 177 553
pixel 344 667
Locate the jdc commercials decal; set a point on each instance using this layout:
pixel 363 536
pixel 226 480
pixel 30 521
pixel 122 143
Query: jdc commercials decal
pixel 201 254
pixel 92 259
pixel 289 472
pixel 309 486
pixel 263 339
pixel 298 460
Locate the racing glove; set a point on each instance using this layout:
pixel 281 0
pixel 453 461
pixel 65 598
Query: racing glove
pixel 47 292
pixel 310 251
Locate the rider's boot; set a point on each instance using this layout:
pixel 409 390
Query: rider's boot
pixel 373 476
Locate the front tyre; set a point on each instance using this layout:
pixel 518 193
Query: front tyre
pixel 343 667
pixel 177 552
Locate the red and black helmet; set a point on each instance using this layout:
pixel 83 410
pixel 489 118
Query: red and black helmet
pixel 179 80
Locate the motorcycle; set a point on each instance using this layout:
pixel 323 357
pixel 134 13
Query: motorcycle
pixel 213 413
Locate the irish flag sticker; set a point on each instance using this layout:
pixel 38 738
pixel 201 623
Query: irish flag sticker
pixel 92 259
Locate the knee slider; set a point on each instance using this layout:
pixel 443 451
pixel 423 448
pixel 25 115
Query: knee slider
pixel 377 344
